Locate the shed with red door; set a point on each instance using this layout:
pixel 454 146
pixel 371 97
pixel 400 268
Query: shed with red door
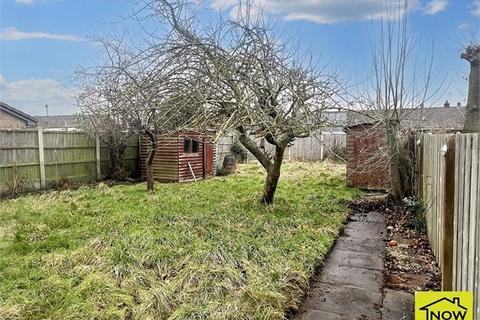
pixel 182 157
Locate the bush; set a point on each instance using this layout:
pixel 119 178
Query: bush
pixel 416 209
pixel 239 152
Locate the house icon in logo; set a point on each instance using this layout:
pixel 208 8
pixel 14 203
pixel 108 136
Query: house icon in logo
pixel 445 309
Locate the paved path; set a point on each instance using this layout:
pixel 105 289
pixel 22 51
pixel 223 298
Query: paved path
pixel 350 284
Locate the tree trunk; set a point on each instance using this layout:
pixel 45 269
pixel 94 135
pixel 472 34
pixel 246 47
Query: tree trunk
pixel 272 168
pixel 273 175
pixel 395 161
pixel 472 116
pixel 149 168
pixel 408 167
pixel 116 163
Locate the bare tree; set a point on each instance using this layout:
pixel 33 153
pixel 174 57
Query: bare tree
pixel 100 117
pixel 102 124
pixel 238 76
pixel 472 117
pixel 135 92
pixel 399 89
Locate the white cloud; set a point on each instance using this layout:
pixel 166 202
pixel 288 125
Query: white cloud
pixel 476 8
pixel 335 11
pixel 14 34
pixel 29 2
pixel 31 95
pixel 436 6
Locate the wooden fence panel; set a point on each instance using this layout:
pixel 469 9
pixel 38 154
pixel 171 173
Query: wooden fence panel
pixel 464 248
pixel 434 150
pixel 317 147
pixel 314 148
pixel 69 155
pixel 19 159
pixel 27 153
pixel 224 147
pixel 466 274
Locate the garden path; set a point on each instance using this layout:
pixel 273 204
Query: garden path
pixel 350 283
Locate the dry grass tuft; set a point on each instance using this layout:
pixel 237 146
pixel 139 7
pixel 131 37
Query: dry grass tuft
pixel 206 250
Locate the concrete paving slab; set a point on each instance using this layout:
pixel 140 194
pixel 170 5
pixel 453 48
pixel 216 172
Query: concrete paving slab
pixel 398 305
pixel 343 258
pixel 352 276
pixel 364 230
pixel 373 217
pixel 373 246
pixel 378 227
pixel 317 315
pixel 344 300
pixel 349 285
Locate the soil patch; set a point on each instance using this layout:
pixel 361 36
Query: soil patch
pixel 410 264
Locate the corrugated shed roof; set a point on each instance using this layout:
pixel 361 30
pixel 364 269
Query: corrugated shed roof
pixel 425 119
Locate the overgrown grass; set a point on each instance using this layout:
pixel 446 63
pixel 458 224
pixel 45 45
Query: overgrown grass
pixel 205 250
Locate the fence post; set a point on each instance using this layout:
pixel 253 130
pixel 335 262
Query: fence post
pixel 419 143
pixel 41 157
pixel 448 215
pixel 97 157
pixel 322 138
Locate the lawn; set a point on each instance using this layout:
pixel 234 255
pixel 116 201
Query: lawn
pixel 206 250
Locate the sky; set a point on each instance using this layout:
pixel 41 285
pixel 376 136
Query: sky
pixel 42 42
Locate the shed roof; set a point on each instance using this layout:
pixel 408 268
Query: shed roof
pixel 424 119
pixel 17 113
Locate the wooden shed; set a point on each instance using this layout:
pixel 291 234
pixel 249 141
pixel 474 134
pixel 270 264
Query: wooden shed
pixel 367 146
pixel 186 156
pixel 367 161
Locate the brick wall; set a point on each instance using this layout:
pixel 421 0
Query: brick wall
pixel 8 121
pixel 367 161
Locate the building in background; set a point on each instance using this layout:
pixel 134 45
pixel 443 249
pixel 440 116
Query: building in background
pixel 12 118
pixel 367 147
pixel 65 122
pixel 335 121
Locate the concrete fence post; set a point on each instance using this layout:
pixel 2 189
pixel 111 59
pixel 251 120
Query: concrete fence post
pixel 322 138
pixel 97 157
pixel 41 158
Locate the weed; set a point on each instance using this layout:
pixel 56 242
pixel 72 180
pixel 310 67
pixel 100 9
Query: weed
pixel 416 209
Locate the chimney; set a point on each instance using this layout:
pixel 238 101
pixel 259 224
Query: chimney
pixel 446 104
pixel 472 115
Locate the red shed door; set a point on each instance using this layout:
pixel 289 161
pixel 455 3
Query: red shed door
pixel 207 159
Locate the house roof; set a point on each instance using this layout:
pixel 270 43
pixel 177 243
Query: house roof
pixel 59 121
pixel 17 113
pixel 424 119
pixel 335 118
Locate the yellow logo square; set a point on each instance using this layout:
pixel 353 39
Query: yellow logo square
pixel 443 305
